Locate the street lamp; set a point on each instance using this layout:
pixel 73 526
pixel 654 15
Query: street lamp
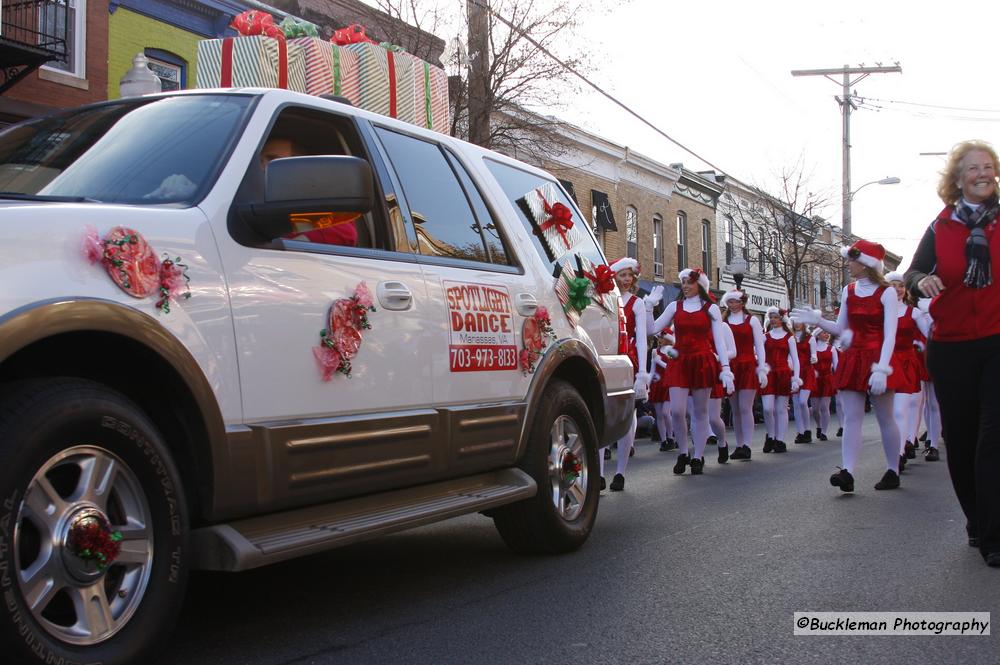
pixel 140 80
pixel 891 180
pixel 738 267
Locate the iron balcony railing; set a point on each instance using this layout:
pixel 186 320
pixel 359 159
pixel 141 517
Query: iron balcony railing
pixel 41 24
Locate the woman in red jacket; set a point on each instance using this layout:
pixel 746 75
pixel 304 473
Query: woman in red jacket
pixel 958 265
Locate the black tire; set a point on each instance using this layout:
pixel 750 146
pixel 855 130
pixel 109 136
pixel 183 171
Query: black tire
pixel 536 525
pixel 58 437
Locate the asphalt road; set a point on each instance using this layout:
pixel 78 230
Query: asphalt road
pixel 683 569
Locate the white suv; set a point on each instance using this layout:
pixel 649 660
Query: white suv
pixel 187 379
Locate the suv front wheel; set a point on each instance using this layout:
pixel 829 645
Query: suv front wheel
pixel 92 526
pixel 561 456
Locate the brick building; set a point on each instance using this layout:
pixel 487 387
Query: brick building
pixel 693 210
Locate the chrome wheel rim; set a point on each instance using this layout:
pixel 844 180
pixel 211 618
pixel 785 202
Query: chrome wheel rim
pixel 567 468
pixel 83 545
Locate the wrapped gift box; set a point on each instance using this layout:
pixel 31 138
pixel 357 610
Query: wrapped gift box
pixel 388 81
pixel 330 69
pixel 256 61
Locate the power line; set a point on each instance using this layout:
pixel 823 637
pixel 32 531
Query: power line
pixel 934 106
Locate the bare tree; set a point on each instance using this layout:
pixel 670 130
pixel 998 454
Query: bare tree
pixel 785 234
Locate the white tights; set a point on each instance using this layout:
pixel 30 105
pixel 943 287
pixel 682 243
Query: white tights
pixel 822 407
pixel 932 414
pixel 840 410
pixel 664 425
pixel 716 422
pixel 625 445
pixel 775 415
pixel 699 419
pixel 854 413
pixel 800 409
pixel 905 407
pixel 741 404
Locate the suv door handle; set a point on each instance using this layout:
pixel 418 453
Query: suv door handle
pixel 394 295
pixel 526 304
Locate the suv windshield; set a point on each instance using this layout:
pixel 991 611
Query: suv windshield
pixel 165 150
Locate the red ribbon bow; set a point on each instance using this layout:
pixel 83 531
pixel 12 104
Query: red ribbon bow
pixel 560 217
pixel 604 279
pixel 255 22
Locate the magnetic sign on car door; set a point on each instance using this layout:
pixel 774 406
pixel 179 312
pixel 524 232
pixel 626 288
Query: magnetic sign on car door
pixel 481 327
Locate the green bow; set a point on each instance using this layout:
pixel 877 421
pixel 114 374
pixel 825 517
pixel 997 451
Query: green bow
pixel 395 48
pixel 295 28
pixel 579 293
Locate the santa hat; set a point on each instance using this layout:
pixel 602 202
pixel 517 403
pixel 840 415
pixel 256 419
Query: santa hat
pixel 894 276
pixel 774 311
pixel 866 253
pixel 733 295
pixel 698 274
pixel 624 263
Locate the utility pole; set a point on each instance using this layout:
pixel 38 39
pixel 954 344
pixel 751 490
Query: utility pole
pixel 480 103
pixel 846 105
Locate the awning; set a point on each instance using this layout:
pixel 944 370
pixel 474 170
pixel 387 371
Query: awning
pixel 603 217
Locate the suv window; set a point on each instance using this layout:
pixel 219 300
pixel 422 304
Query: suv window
pixel 517 182
pixel 440 206
pixel 165 150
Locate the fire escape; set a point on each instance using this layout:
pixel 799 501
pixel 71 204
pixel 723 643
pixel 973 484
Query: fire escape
pixel 32 32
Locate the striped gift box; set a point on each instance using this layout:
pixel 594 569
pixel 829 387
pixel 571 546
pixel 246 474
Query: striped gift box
pixel 388 81
pixel 431 97
pixel 558 242
pixel 330 69
pixel 251 62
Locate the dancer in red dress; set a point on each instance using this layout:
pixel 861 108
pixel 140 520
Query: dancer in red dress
pixel 826 365
pixel 749 368
pixel 929 403
pixel 868 310
pixel 805 346
pixel 699 342
pixel 659 391
pixel 782 379
pixel 626 277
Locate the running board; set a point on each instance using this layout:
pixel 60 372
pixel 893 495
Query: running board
pixel 259 541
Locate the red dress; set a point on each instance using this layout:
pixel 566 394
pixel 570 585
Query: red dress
pixel 696 365
pixel 633 352
pixel 905 369
pixel 806 371
pixel 865 317
pixel 779 379
pixel 744 365
pixel 824 373
pixel 659 390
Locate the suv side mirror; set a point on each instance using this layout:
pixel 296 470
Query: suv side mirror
pixel 297 185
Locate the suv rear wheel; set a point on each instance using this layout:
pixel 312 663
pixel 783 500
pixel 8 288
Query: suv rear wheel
pixel 561 456
pixel 92 526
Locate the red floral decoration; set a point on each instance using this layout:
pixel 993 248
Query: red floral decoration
pixel 535 335
pixel 603 279
pixel 571 467
pixel 133 266
pixel 92 539
pixel 340 341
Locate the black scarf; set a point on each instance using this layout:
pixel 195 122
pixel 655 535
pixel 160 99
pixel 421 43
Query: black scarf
pixel 977 247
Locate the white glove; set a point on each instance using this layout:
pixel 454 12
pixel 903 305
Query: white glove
pixel 655 377
pixel 658 361
pixel 924 305
pixel 845 339
pixel 877 381
pixel 919 345
pixel 813 360
pixel 762 376
pixel 805 315
pixel 671 352
pixel 641 386
pixel 655 296
pixel 796 383
pixel 728 380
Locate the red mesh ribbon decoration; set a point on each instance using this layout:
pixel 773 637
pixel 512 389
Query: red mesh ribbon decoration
pixel 92 539
pixel 603 279
pixel 340 341
pixel 559 216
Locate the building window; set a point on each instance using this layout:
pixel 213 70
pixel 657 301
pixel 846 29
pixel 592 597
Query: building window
pixel 657 246
pixel 682 225
pixel 706 247
pixel 746 243
pixel 631 233
pixel 53 20
pixel 730 238
pixel 171 69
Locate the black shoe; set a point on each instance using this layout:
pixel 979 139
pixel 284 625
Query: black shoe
pixel 607 453
pixel 910 451
pixel 927 444
pixel 923 437
pixel 993 559
pixel 682 461
pixel 663 447
pixel 840 432
pixel 604 484
pixel 932 455
pixel 741 452
pixel 768 444
pixel 696 466
pixel 723 454
pixel 617 483
pixel 631 451
pixel 671 444
pixel 800 438
pixel 844 480
pixel 974 541
pixel 780 447
pixel 890 481
pixel 902 463
pixel 820 436
pixel 808 436
pixel 711 441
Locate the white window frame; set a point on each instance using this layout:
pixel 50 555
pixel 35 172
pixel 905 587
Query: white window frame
pixel 632 230
pixel 657 245
pixel 79 29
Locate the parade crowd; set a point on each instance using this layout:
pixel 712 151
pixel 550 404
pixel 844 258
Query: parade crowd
pixel 920 346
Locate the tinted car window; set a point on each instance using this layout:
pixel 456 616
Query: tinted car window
pixel 146 151
pixel 516 183
pixel 445 223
